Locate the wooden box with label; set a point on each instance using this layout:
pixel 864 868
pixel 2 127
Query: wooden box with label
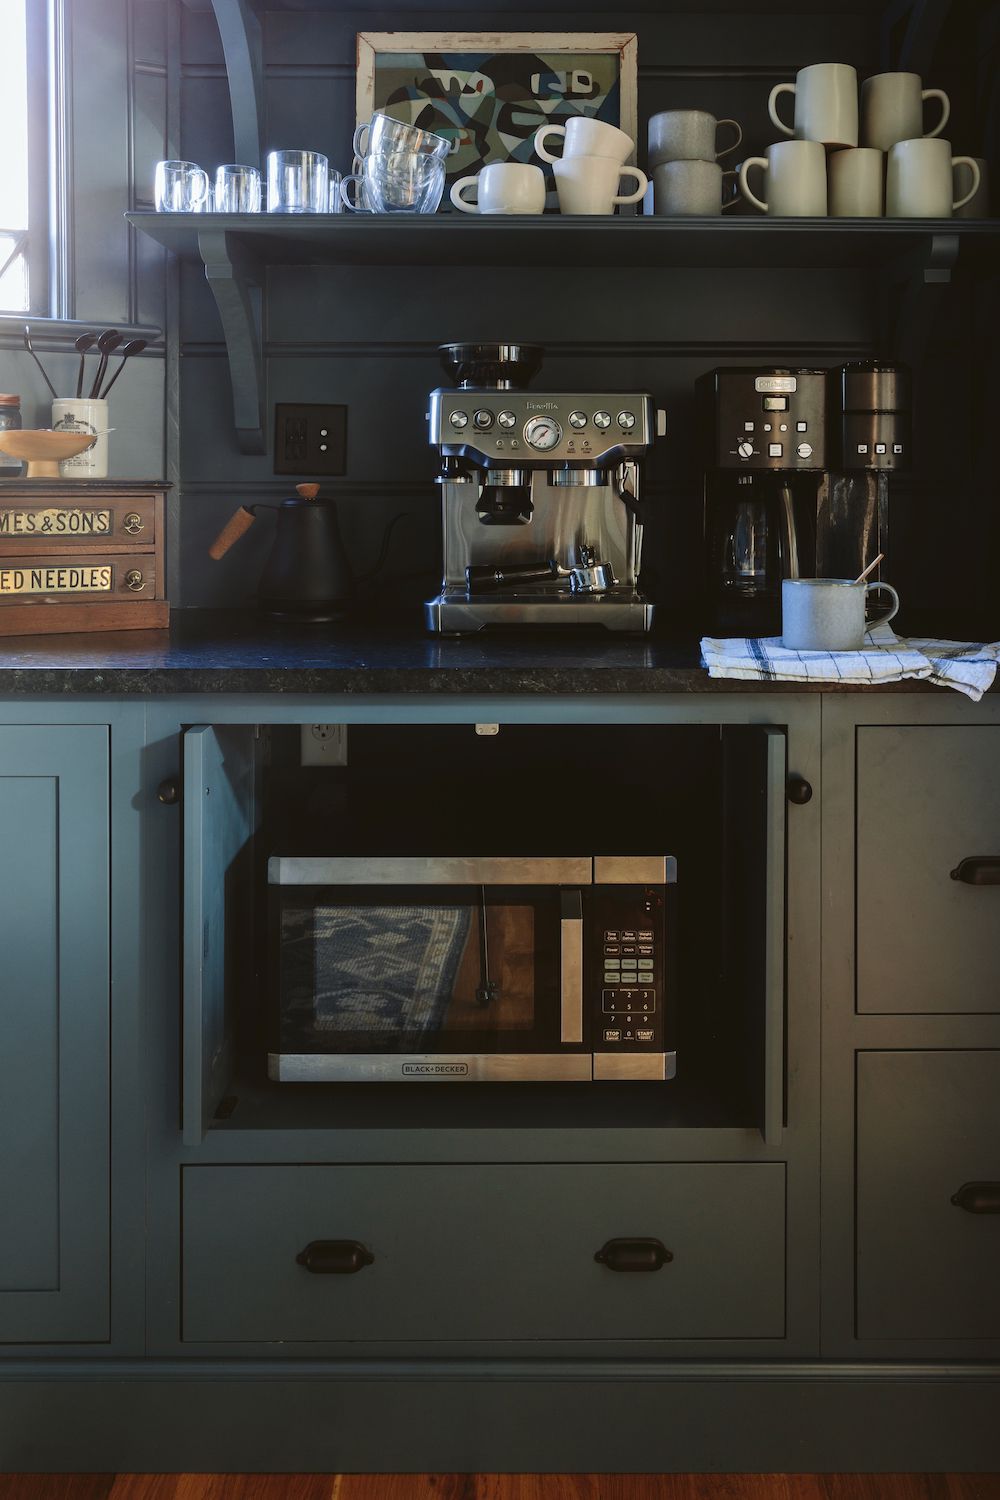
pixel 81 555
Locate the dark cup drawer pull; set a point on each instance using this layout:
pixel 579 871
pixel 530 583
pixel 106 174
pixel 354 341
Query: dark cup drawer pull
pixel 978 1197
pixel 334 1257
pixel 979 869
pixel 634 1255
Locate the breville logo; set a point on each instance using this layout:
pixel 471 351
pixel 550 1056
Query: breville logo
pixel 542 405
pixel 435 1070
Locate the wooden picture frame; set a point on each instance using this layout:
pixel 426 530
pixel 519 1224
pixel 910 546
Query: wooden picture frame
pixel 491 121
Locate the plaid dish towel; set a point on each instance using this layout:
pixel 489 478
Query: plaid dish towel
pixel 885 657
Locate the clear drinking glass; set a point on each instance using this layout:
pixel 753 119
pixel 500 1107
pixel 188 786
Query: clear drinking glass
pixel 336 203
pixel 397 182
pixel 180 187
pixel 383 134
pixel 237 189
pixel 297 182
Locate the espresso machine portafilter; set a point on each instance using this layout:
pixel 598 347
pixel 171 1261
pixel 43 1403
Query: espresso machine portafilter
pixel 539 497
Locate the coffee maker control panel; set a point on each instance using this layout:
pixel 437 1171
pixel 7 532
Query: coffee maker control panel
pixel 499 428
pixel 774 419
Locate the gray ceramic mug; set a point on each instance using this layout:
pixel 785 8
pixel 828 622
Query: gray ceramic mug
pixel 691 189
pixel 828 614
pixel 688 135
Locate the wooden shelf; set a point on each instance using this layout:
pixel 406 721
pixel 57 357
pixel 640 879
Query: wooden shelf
pixel 444 239
pixel 914 256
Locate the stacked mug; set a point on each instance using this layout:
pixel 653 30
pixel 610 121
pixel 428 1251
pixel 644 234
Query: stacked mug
pixel 588 173
pixel 399 168
pixel 684 156
pixel 897 170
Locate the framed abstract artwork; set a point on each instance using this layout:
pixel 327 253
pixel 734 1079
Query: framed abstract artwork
pixel 489 92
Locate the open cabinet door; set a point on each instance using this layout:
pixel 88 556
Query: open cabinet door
pixel 221 814
pixel 755 762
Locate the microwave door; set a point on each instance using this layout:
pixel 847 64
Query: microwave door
pixel 510 1006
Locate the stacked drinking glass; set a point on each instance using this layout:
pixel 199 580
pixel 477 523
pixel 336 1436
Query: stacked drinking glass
pixel 399 168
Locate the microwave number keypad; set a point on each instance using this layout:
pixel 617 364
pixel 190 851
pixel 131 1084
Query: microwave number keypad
pixel 628 995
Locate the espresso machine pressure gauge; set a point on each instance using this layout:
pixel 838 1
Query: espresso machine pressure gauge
pixel 542 433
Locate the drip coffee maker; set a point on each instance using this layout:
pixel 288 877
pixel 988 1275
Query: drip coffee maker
pixel 796 480
pixel 539 497
pixel 764 435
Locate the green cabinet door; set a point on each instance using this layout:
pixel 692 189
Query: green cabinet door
pixel 54 1033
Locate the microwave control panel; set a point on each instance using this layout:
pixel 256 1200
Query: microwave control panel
pixel 626 977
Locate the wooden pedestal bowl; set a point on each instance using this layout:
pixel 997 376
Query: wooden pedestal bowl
pixel 43 449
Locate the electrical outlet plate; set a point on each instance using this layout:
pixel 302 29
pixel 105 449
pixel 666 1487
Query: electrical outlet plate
pixel 310 439
pixel 324 745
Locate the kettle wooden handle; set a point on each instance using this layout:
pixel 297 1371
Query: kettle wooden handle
pixel 238 524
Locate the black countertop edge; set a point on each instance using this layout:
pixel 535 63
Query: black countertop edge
pixel 228 652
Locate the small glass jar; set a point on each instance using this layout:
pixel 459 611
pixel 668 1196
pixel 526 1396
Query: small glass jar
pixel 10 417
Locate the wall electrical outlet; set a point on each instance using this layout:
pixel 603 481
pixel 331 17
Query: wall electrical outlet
pixel 310 439
pixel 324 744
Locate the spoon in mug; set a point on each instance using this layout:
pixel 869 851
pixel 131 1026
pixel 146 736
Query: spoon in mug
pixel 106 345
pixel 870 568
pixel 84 342
pixel 134 346
pixel 27 345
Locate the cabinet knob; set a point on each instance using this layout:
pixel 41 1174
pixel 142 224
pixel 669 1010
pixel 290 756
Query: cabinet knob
pixel 133 523
pixel 978 869
pixel 978 1197
pixel 799 790
pixel 134 581
pixel 334 1257
pixel 634 1255
pixel 168 792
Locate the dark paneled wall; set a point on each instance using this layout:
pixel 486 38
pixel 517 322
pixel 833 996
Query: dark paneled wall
pixel 366 337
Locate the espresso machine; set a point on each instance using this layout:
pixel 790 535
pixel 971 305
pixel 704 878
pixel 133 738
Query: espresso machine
pixel 539 497
pixel 796 480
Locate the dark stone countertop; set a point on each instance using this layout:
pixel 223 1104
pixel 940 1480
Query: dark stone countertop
pixel 228 652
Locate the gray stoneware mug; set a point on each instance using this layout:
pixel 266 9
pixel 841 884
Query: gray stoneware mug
pixel 688 135
pixel 828 614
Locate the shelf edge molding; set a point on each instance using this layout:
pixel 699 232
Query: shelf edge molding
pixel 235 279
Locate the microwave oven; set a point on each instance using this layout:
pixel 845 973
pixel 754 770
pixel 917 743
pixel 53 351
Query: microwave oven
pixel 478 969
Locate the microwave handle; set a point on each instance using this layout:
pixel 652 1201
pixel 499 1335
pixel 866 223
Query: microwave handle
pixel 432 870
pixel 571 966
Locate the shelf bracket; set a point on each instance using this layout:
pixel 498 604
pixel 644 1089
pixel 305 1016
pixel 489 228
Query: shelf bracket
pixel 236 279
pixel 239 29
pixel 917 285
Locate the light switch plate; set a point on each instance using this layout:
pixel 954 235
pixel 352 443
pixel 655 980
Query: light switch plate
pixel 309 439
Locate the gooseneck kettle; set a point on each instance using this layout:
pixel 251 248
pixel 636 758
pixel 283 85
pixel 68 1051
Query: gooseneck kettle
pixel 307 575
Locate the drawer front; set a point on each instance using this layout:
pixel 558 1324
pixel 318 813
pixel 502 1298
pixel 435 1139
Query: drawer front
pixel 78 579
pixel 487 1253
pixel 928 1123
pixel 97 521
pixel 927 799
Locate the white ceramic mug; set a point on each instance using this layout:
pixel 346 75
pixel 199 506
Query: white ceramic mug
pixel 857 180
pixel 502 187
pixel 585 137
pixel 687 135
pixel 919 180
pixel 691 189
pixel 794 179
pixel 826 104
pixel 978 206
pixel 589 184
pixel 84 415
pixel 828 614
pixel 892 109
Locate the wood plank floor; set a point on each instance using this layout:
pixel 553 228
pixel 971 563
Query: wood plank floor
pixel 499 1487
